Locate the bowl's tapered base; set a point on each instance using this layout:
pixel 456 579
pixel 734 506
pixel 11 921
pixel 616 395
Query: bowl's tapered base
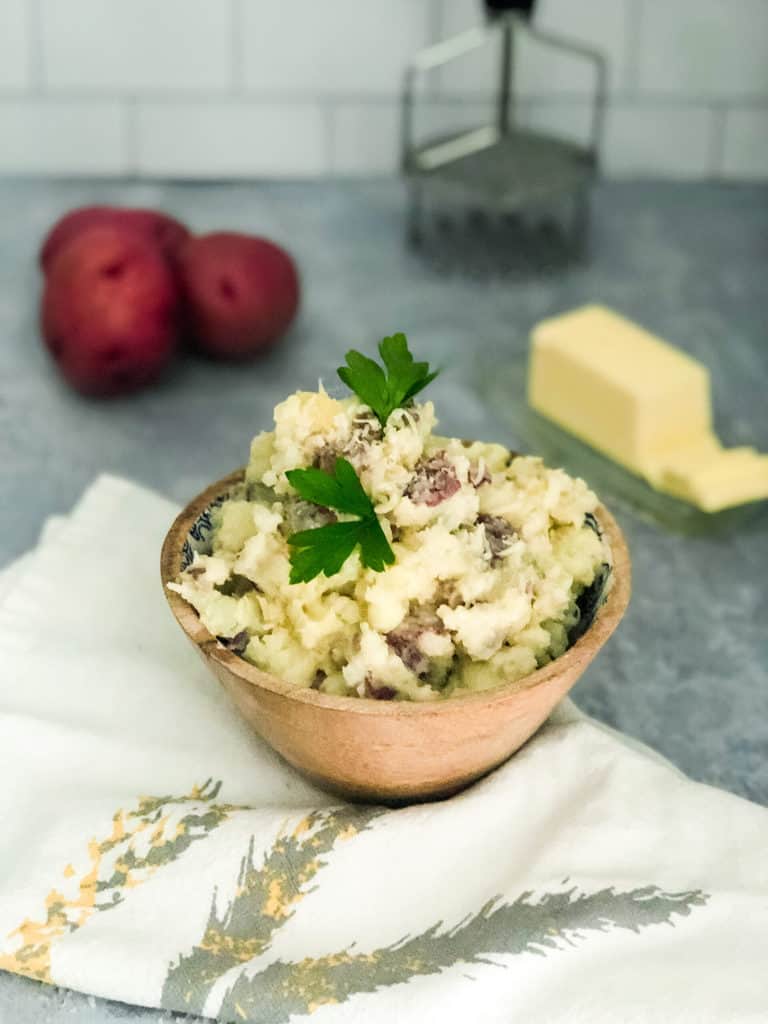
pixel 400 758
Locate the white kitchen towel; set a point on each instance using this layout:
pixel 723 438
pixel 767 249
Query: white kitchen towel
pixel 153 850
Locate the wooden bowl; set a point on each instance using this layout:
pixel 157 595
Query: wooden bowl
pixel 391 751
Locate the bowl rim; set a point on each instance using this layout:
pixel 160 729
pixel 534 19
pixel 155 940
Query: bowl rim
pixel 606 619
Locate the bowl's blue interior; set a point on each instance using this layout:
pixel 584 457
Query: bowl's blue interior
pixel 199 537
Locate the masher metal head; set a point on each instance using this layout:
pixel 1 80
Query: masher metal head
pixel 498 195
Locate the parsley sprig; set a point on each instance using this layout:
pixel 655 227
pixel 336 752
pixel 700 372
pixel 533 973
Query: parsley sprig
pixel 385 390
pixel 326 548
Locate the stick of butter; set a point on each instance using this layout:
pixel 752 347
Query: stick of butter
pixel 643 403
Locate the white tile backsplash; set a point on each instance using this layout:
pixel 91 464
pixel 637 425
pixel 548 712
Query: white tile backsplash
pixel 540 68
pixel 333 46
pixel 600 24
pixel 745 151
pixel 476 72
pixel 569 119
pixel 231 139
pixel 61 137
pixel 444 116
pixel 366 137
pixel 248 88
pixel 137 45
pixel 703 48
pixel 543 70
pixel 15 72
pixel 662 142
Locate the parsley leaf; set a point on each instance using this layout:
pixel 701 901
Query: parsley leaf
pixel 374 546
pixel 389 389
pixel 342 491
pixel 326 549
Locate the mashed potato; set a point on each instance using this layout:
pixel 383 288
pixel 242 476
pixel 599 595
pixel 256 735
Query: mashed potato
pixel 492 554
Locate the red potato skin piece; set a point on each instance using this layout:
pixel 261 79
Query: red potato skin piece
pixel 242 293
pixel 433 482
pixel 110 311
pixel 165 231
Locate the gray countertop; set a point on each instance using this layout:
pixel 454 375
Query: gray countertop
pixel 688 671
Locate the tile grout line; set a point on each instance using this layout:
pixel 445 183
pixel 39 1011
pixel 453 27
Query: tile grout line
pixel 181 97
pixel 171 97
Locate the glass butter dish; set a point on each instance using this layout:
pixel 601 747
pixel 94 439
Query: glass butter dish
pixel 503 385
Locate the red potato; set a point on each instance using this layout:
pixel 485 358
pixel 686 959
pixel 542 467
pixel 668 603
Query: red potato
pixel 164 231
pixel 110 311
pixel 241 292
